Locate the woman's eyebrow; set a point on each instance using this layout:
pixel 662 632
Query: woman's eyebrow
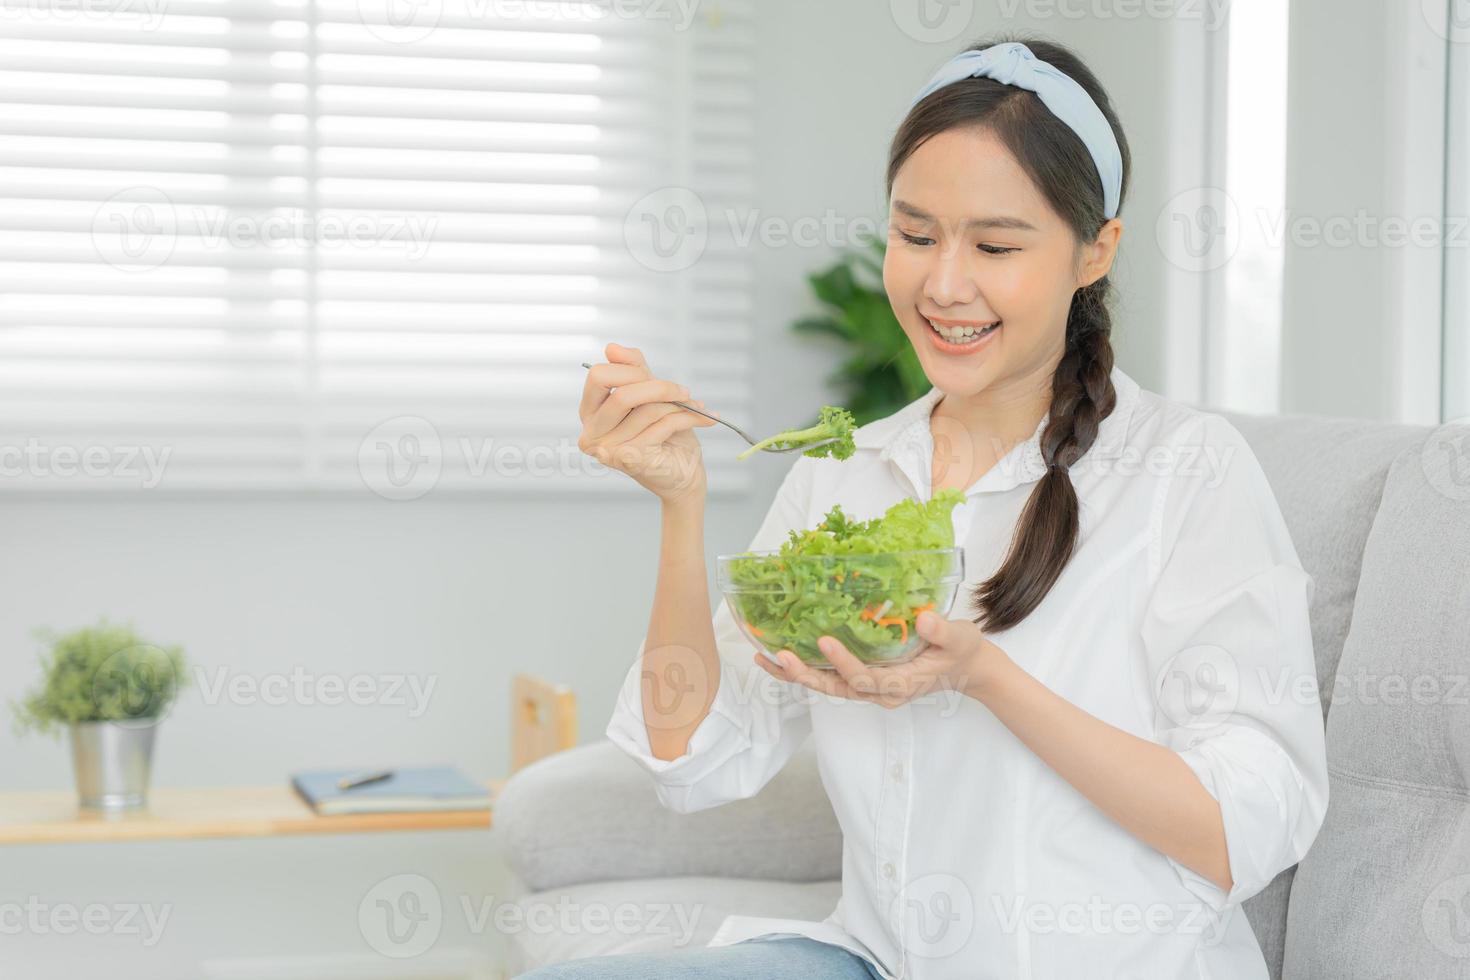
pixel 995 221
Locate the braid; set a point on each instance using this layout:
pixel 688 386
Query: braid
pixel 1047 532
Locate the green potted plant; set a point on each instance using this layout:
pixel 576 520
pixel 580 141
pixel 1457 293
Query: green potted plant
pixel 882 373
pixel 110 689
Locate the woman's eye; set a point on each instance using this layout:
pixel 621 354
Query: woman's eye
pixel 987 249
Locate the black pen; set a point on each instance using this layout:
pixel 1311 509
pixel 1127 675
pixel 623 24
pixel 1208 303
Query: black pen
pixel 352 782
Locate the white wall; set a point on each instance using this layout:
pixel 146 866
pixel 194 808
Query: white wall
pixel 1365 144
pixel 466 591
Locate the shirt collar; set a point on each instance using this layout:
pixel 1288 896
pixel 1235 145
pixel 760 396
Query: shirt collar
pixel 906 439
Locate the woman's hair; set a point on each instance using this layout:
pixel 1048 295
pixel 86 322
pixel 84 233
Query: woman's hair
pixel 1057 161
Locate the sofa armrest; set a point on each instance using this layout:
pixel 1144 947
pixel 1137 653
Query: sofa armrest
pixel 591 814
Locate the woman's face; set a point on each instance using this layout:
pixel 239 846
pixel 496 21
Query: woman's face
pixel 971 241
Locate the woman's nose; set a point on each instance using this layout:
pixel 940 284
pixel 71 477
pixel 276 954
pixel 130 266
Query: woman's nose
pixel 951 279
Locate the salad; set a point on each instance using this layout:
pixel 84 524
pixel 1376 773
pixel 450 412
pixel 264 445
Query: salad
pixel 864 582
pixel 834 422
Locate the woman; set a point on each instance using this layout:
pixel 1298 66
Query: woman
pixel 1107 745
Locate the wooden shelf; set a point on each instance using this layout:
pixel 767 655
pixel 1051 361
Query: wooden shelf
pixel 52 817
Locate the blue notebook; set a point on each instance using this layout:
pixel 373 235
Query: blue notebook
pixel 407 790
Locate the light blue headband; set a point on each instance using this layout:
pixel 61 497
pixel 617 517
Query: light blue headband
pixel 1013 63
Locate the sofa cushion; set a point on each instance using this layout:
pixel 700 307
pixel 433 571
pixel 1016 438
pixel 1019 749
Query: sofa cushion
pixel 1385 889
pixel 1328 476
pixel 591 814
pixel 605 918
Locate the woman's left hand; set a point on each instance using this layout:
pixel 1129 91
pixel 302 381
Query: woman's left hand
pixel 959 657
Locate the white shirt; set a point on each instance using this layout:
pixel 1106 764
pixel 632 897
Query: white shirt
pixel 1181 618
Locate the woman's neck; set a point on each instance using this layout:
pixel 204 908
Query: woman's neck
pixel 972 433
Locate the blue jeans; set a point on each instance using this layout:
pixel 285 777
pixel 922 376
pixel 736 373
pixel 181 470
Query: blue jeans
pixel 788 958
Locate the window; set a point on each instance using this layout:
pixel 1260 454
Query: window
pixel 313 245
pixel 1244 353
pixel 1457 206
pixel 1221 229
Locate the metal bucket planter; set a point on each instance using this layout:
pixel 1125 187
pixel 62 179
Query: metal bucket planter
pixel 111 762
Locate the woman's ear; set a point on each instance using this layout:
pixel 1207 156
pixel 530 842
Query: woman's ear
pixel 1098 255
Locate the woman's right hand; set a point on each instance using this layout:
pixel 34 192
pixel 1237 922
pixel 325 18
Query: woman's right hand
pixel 635 430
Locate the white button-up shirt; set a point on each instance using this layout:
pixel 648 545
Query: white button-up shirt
pixel 1181 618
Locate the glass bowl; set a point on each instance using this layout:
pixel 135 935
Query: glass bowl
pixel 869 602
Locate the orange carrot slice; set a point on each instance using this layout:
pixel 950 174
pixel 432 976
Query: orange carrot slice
pixel 895 621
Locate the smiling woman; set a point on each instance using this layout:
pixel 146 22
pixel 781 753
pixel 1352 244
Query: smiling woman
pixel 1002 232
pixel 1088 769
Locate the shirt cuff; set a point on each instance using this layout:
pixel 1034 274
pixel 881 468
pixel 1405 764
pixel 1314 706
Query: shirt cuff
pixel 1243 813
pixel 724 732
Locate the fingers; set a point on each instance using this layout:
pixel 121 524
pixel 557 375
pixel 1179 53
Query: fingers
pixel 824 681
pixel 636 422
pixel 951 634
pixel 619 354
pixel 625 365
pixel 853 670
pixel 676 421
pixel 617 405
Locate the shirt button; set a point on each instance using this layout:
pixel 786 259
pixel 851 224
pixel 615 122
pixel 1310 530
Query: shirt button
pixel 898 770
pixel 888 868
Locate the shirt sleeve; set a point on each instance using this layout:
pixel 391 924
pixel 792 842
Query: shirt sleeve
pixel 755 721
pixel 1229 649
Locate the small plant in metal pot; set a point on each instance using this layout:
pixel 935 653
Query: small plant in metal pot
pixel 109 688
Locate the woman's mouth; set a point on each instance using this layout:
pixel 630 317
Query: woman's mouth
pixel 960 340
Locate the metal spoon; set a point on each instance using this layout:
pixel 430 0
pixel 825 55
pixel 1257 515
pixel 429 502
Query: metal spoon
pixel 741 433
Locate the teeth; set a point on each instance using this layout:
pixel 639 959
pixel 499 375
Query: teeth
pixel 960 334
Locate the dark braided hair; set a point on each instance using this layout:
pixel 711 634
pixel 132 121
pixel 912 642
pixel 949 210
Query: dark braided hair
pixel 1057 161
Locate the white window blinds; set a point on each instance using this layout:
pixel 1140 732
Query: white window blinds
pixel 338 244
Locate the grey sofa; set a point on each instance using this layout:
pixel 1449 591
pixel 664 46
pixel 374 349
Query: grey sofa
pixel 1380 514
